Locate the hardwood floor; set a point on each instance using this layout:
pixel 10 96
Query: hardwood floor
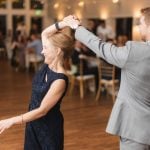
pixel 85 120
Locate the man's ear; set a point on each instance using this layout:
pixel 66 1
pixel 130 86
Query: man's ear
pixel 149 29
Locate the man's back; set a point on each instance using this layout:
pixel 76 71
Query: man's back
pixel 130 117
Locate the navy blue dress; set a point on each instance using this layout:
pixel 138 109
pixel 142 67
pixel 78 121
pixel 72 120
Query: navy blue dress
pixel 45 133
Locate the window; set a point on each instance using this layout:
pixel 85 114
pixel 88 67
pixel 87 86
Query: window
pixel 18 4
pixel 124 27
pixel 36 25
pixel 17 21
pixel 36 4
pixel 3 24
pixel 2 3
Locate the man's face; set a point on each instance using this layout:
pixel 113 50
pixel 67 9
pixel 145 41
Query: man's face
pixel 143 28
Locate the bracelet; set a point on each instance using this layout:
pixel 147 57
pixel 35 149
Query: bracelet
pixel 57 26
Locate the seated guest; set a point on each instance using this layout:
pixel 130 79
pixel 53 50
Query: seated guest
pixel 34 48
pixel 89 68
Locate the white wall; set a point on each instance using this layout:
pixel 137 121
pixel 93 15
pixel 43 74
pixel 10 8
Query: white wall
pixel 98 8
pixel 103 9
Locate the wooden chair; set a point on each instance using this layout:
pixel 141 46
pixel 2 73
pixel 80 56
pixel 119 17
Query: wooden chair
pixel 70 73
pixel 81 79
pixel 107 79
pixel 3 53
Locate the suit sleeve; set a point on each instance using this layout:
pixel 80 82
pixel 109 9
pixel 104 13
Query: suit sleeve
pixel 117 56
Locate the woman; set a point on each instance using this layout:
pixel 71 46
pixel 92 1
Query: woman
pixel 44 128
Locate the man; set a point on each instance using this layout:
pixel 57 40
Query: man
pixel 130 117
pixel 34 49
pixel 105 32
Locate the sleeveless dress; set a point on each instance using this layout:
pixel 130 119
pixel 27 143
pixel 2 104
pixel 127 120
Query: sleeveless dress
pixel 45 133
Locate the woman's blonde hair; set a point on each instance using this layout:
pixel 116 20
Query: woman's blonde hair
pixel 64 41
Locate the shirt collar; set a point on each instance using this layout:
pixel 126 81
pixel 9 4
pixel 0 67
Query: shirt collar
pixel 148 42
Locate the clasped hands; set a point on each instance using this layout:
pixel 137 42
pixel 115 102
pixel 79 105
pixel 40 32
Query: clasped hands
pixel 72 21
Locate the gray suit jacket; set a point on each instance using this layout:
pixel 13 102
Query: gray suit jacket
pixel 130 117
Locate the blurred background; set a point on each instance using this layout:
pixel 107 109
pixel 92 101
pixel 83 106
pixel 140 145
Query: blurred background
pixel 92 92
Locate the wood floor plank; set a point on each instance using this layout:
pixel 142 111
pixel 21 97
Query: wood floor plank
pixel 85 120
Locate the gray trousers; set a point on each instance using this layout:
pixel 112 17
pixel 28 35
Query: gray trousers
pixel 126 144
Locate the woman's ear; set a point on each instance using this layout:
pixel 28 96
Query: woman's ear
pixel 59 51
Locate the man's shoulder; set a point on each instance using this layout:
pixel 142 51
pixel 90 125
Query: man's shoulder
pixel 138 50
pixel 136 43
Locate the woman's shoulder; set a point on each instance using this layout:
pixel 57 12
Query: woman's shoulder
pixel 60 74
pixel 62 71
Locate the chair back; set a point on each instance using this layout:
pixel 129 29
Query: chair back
pixel 107 79
pixel 81 66
pixel 106 71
